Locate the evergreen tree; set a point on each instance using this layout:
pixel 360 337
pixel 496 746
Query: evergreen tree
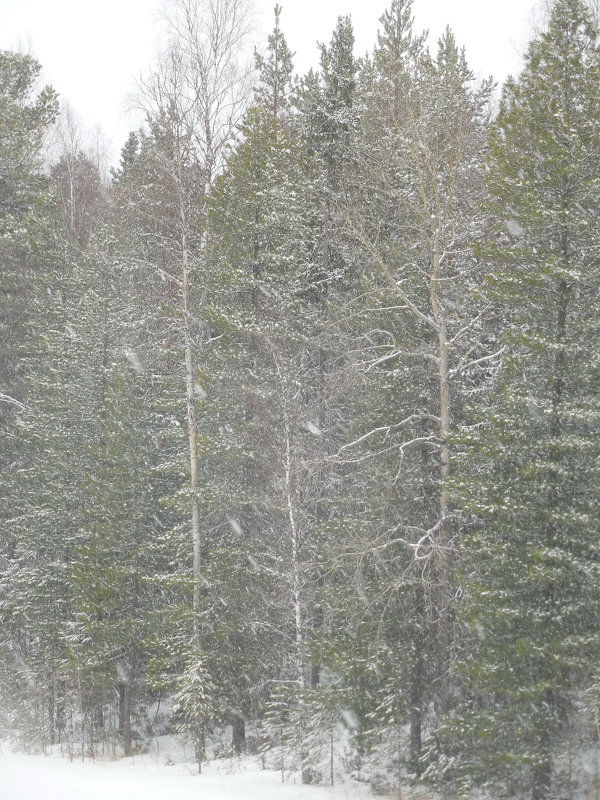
pixel 268 304
pixel 27 238
pixel 25 119
pixel 327 121
pixel 259 305
pixel 420 336
pixel 529 476
pixel 275 72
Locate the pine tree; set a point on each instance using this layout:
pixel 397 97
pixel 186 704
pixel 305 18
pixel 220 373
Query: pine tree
pixel 260 241
pixel 327 122
pixel 274 72
pixel 419 331
pixel 25 119
pixel 27 240
pixel 268 306
pixel 529 475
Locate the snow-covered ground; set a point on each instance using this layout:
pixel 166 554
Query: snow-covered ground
pixel 149 777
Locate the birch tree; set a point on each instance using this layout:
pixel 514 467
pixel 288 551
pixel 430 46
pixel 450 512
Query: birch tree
pixel 193 98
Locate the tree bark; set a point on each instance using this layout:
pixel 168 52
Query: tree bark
pixel 541 781
pixel 238 739
pixel 444 591
pixel 192 425
pixel 417 684
pixel 127 740
pixel 318 624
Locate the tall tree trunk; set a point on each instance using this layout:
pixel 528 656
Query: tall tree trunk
pixel 121 706
pixel 542 775
pixel 295 566
pixel 444 590
pixel 192 426
pixel 127 706
pixel 52 712
pixel 417 683
pixel 194 470
pixel 238 738
pixel 60 709
pixel 318 621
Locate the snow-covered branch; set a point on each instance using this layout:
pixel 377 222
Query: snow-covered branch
pixel 389 428
pixel 462 366
pixel 5 398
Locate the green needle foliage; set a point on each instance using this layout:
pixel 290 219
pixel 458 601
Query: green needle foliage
pixel 530 475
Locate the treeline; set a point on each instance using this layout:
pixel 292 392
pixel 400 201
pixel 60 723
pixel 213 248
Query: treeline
pixel 300 412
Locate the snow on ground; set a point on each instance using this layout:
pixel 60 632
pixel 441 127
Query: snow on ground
pixel 24 777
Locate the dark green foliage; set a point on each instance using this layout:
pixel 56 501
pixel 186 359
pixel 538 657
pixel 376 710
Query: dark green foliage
pixel 274 73
pixel 530 474
pixel 393 379
pixel 27 247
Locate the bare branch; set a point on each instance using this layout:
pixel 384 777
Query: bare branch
pixel 5 398
pixel 460 367
pixel 388 428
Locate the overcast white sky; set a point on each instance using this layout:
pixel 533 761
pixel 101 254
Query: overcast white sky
pixel 92 50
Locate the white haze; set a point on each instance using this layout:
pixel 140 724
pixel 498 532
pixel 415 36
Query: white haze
pixel 92 52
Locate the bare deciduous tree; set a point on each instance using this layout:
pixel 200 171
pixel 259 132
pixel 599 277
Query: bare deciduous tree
pixel 193 99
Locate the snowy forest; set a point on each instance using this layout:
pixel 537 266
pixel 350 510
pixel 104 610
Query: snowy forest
pixel 299 411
